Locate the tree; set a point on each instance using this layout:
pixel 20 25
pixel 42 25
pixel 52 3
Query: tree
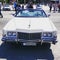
pixel 7 1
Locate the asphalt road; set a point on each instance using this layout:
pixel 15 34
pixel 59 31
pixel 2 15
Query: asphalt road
pixel 17 52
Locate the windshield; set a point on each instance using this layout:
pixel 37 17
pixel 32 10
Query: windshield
pixel 6 5
pixel 31 13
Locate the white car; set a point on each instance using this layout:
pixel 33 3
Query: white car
pixel 30 27
pixel 6 7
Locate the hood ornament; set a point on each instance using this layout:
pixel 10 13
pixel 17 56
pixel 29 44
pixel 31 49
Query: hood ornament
pixel 29 25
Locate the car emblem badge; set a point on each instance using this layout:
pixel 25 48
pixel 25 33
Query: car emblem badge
pixel 29 25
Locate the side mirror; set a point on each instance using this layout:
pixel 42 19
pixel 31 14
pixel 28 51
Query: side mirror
pixel 48 14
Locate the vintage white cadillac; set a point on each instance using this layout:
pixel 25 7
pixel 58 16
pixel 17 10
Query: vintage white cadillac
pixel 30 27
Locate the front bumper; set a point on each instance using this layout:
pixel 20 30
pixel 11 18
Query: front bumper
pixel 6 9
pixel 43 40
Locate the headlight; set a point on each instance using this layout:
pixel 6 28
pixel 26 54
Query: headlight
pixel 14 33
pixel 44 34
pixel 11 33
pixel 47 34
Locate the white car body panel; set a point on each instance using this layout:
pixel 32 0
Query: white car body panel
pixel 7 7
pixel 30 25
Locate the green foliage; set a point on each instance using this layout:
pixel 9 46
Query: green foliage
pixel 7 1
pixel 1 0
pixel 21 1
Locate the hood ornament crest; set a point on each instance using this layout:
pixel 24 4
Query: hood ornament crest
pixel 29 25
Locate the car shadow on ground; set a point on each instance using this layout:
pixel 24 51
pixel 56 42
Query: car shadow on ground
pixel 17 52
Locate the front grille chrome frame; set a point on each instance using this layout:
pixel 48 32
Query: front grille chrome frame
pixel 29 36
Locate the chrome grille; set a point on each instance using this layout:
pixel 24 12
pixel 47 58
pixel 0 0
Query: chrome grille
pixel 29 36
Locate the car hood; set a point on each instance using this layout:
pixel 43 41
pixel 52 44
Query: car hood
pixel 30 25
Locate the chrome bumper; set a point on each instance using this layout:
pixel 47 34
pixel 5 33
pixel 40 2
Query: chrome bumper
pixel 42 40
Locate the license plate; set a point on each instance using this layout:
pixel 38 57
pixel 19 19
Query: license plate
pixel 29 44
